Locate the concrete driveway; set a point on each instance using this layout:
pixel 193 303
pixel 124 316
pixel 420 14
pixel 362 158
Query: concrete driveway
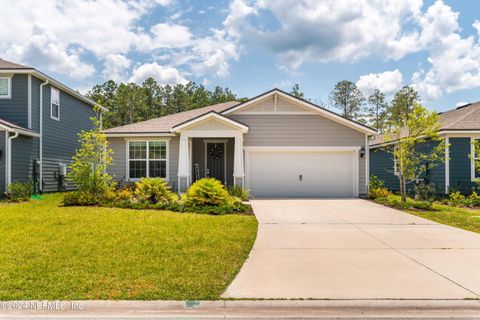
pixel 355 249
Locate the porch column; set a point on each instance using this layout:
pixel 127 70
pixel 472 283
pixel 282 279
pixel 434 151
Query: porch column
pixel 183 167
pixel 238 165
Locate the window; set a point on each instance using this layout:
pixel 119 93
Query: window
pixel 396 165
pixel 55 104
pixel 475 158
pixel 5 88
pixel 147 159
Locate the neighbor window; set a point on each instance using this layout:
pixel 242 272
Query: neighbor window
pixel 475 158
pixel 147 159
pixel 5 88
pixel 55 104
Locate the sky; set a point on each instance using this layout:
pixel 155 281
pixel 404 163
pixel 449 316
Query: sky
pixel 252 46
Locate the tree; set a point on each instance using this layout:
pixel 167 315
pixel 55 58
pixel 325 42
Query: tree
pixel 417 145
pixel 132 100
pixel 377 110
pixel 346 97
pixel 296 91
pixel 402 104
pixel 105 94
pixel 90 162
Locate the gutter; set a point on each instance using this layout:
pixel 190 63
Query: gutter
pixel 9 158
pixel 40 147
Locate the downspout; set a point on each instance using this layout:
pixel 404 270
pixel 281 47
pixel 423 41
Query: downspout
pixel 9 157
pixel 40 131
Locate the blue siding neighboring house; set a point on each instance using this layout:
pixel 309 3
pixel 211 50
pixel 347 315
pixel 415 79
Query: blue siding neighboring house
pixel 459 127
pixel 32 145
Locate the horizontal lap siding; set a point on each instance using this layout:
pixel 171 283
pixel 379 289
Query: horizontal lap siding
pixel 3 157
pixel 301 130
pixel 24 150
pixel 16 109
pixel 460 164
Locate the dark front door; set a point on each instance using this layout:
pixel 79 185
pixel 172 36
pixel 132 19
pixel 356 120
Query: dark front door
pixel 216 161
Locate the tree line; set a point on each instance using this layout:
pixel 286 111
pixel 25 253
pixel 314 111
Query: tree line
pixel 130 102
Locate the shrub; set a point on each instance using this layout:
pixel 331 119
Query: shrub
pixel 80 198
pixel 424 191
pixel 19 191
pixel 423 205
pixel 239 192
pixel 380 192
pixel 154 190
pixel 456 199
pixel 394 201
pixel 207 192
pixel 375 182
pixel 474 199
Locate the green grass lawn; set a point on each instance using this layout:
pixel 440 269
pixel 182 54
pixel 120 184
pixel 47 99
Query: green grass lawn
pixel 456 217
pixel 52 252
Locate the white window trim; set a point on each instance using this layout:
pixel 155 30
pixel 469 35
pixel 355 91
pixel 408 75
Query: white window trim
pixel 473 158
pixel 395 166
pixel 127 158
pixel 51 104
pixel 9 96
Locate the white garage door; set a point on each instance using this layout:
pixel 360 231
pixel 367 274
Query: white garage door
pixel 301 173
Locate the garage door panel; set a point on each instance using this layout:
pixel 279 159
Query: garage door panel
pixel 307 174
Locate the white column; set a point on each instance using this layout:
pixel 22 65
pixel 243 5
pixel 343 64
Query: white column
pixel 238 165
pixel 183 167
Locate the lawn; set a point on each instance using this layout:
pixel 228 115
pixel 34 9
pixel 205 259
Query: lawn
pixel 53 252
pixel 463 218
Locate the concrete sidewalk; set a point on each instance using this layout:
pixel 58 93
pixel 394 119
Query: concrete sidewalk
pixel 265 309
pixel 355 249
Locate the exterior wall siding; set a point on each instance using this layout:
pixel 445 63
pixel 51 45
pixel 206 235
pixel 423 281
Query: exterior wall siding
pixel 3 158
pixel 460 165
pixel 24 150
pixel 60 138
pixel 301 130
pixel 15 109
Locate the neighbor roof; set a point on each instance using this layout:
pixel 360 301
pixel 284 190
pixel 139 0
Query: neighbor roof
pixel 10 126
pixel 466 117
pixel 164 124
pixel 8 66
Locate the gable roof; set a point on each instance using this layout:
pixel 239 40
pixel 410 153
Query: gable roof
pixel 307 104
pixel 463 118
pixel 164 124
pixel 11 67
pixel 210 115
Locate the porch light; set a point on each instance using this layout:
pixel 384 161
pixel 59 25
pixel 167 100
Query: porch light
pixel 362 152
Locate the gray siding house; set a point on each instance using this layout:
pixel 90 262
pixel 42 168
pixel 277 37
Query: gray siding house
pixel 39 122
pixel 459 127
pixel 274 144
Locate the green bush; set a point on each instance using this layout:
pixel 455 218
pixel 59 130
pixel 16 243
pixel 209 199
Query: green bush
pixel 456 199
pixel 423 205
pixel 375 182
pixel 19 191
pixel 394 201
pixel 239 192
pixel 154 190
pixel 80 198
pixel 380 192
pixel 207 192
pixel 474 199
pixel 424 191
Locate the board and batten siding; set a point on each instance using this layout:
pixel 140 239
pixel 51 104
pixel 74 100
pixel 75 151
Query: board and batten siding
pixel 301 130
pixel 119 167
pixel 15 110
pixel 60 138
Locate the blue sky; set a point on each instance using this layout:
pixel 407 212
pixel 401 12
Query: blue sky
pixel 254 45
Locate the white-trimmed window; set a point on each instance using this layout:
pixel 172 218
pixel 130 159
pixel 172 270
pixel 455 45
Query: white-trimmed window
pixel 5 88
pixel 55 104
pixel 147 159
pixel 475 159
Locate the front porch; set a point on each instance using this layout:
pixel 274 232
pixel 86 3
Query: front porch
pixel 211 146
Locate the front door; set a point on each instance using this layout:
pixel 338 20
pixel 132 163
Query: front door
pixel 216 161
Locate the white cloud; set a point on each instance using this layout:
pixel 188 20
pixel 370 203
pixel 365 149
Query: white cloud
pixel 170 36
pixel 163 74
pixel 388 82
pixel 116 67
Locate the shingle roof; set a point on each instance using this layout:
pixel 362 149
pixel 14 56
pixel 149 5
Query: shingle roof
pixel 465 117
pixel 164 124
pixel 4 64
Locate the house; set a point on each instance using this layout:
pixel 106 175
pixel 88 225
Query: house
pixel 459 127
pixel 274 144
pixel 39 122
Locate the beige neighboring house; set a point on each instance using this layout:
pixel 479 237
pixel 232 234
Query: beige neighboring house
pixel 275 144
